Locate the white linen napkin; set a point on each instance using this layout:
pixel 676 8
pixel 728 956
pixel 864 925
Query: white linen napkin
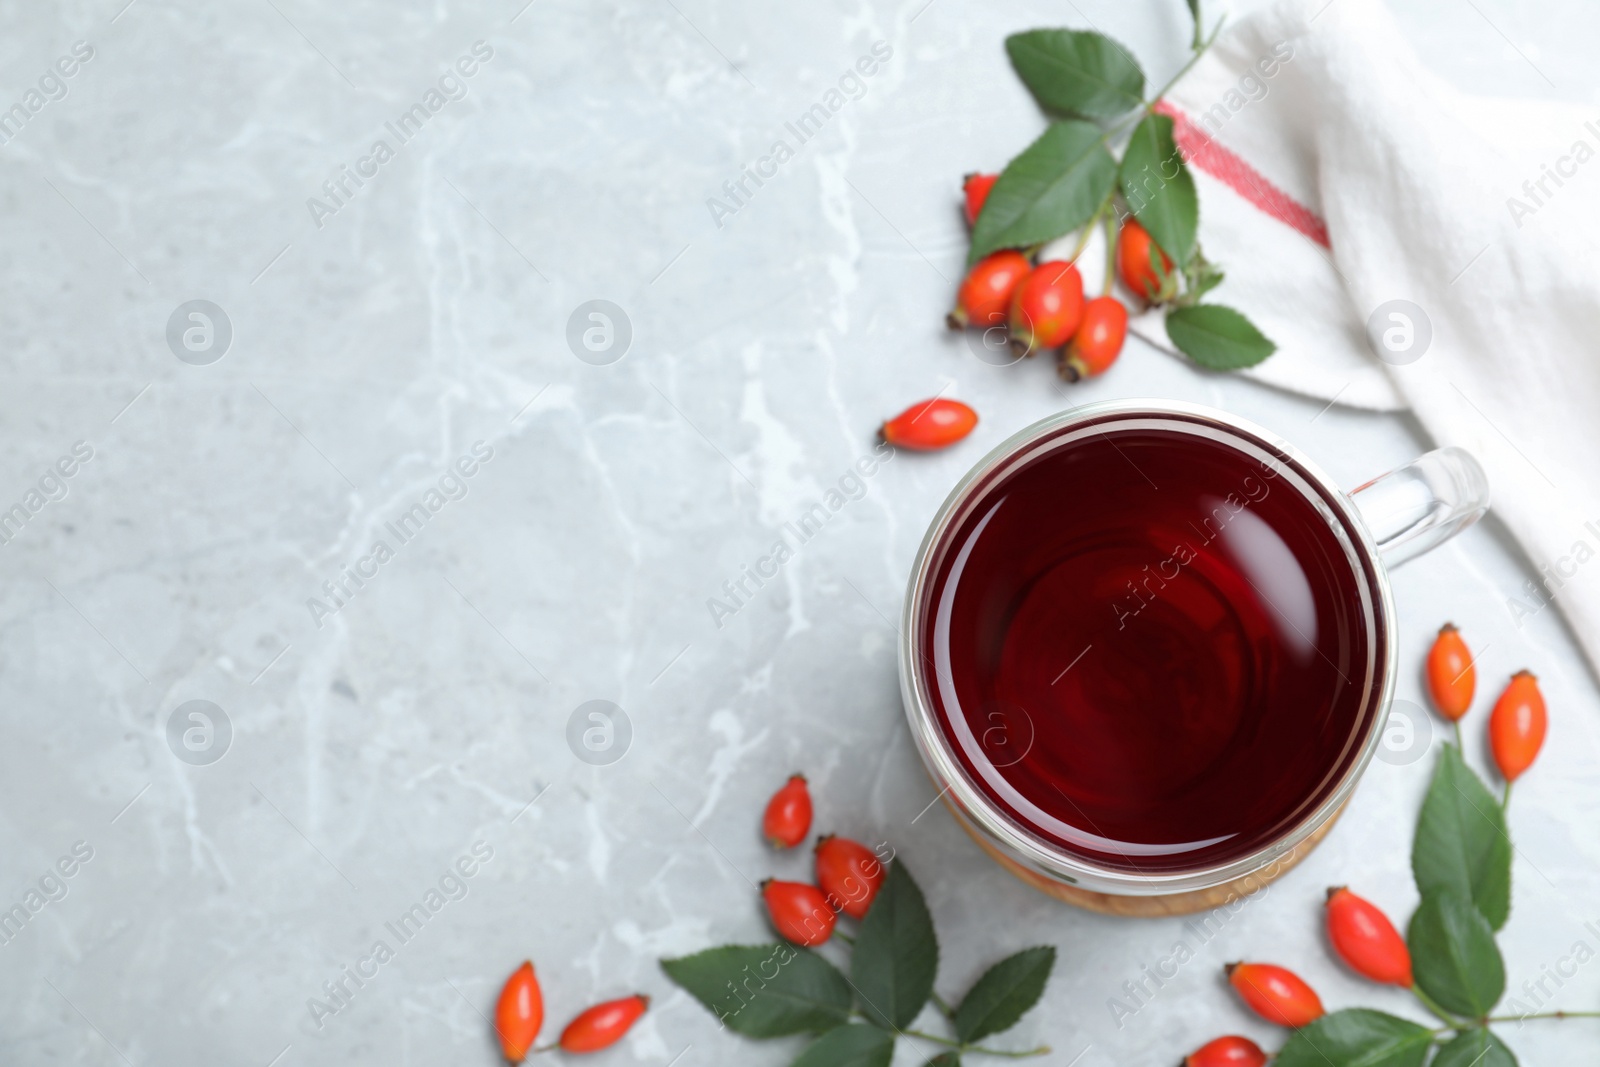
pixel 1337 175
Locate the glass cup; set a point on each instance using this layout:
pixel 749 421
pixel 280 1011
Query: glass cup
pixel 1384 522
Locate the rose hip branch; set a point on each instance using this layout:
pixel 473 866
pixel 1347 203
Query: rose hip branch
pixel 1068 182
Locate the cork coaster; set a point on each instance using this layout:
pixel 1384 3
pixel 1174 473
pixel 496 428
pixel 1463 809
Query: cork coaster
pixel 1186 903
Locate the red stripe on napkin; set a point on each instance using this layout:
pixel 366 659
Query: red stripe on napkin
pixel 1201 150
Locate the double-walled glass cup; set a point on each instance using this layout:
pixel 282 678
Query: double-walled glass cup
pixel 1379 524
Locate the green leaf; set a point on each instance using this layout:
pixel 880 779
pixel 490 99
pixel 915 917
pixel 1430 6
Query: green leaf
pixel 1201 277
pixel 1475 1048
pixel 765 990
pixel 945 1059
pixel 896 953
pixel 1454 956
pixel 1357 1037
pixel 1461 841
pixel 1071 72
pixel 1158 186
pixel 1004 993
pixel 1217 337
pixel 856 1045
pixel 1052 188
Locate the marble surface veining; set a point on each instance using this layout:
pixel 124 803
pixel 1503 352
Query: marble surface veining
pixel 402 368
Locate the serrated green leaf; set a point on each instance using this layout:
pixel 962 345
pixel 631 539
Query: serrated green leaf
pixel 1217 337
pixel 1052 188
pixel 1357 1037
pixel 1453 954
pixel 1475 1048
pixel 765 990
pixel 1004 994
pixel 1461 841
pixel 1157 185
pixel 1077 72
pixel 856 1045
pixel 896 954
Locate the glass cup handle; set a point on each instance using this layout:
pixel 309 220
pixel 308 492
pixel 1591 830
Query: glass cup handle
pixel 1423 504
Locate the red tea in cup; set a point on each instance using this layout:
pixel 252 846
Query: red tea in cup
pixel 1152 647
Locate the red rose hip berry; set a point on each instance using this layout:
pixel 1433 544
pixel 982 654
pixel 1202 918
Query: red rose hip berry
pixel 985 293
pixel 976 189
pixel 519 1013
pixel 799 912
pixel 849 873
pixel 604 1024
pixel 930 425
pixel 1451 675
pixel 1366 940
pixel 1275 993
pixel 1517 725
pixel 1047 307
pixel 787 819
pixel 1136 262
pixel 1230 1051
pixel 1098 341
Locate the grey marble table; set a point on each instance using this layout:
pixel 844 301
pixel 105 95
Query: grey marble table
pixel 392 351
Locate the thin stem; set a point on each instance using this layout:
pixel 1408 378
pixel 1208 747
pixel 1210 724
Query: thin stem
pixel 1088 228
pixel 1197 43
pixel 842 936
pixel 1505 802
pixel 1544 1015
pixel 935 1038
pixel 1111 254
pixel 1457 725
pixel 944 1007
pixel 978 1049
pixel 1200 49
pixel 1444 1016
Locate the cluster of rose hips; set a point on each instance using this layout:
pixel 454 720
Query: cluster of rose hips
pixel 848 877
pixel 520 1013
pixel 1518 722
pixel 1360 933
pixel 1364 939
pixel 848 874
pixel 1041 306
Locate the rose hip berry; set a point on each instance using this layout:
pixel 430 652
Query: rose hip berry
pixel 799 912
pixel 1451 675
pixel 849 873
pixel 1366 940
pixel 519 1014
pixel 788 816
pixel 1230 1051
pixel 1047 307
pixel 1275 993
pixel 976 187
pixel 1136 254
pixel 1098 341
pixel 1517 725
pixel 930 425
pixel 985 294
pixel 604 1024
